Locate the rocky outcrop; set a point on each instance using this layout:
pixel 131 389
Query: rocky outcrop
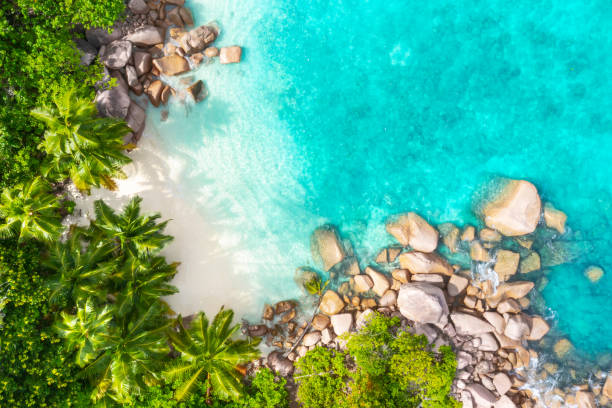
pixel 412 230
pixel 146 36
pixel 515 210
pixel 326 246
pixel 422 303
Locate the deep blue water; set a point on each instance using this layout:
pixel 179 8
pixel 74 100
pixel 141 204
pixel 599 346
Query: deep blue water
pixel 349 111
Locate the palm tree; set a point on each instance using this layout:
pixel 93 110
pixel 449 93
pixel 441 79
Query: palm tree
pixel 80 270
pixel 209 354
pixel 131 356
pixel 134 234
pixel 29 210
pixel 87 331
pixel 81 145
pixel 143 281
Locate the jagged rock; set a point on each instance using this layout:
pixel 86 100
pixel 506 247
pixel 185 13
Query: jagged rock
pixel 410 229
pixel 284 306
pixel 509 306
pixel 363 283
pixel 198 38
pixel 197 91
pixel 504 402
pixel 174 17
pixel 186 16
pixel 554 218
pixel 282 365
pixel 326 247
pixel 211 52
pixel 478 252
pixel 506 264
pixel 230 55
pixel 456 285
pixel 320 322
pixel 450 236
pixel 539 328
pixel 326 336
pixel 530 263
pixel 482 396
pixel 311 338
pixel 142 62
pixel 114 102
pixel 515 210
pixel 488 342
pixel 331 303
pixel 135 119
pixel 585 399
pixel 99 36
pixel 381 282
pixel 138 7
pixel 401 275
pixel 517 327
pixel 341 323
pixel 466 324
pixel 132 76
pixel 146 36
pixel 171 65
pixel 422 303
pixel 388 299
pixel 154 92
pixel 165 95
pixel 594 273
pixel 268 313
pixel 88 52
pixel 502 383
pixel 419 262
pixel 116 54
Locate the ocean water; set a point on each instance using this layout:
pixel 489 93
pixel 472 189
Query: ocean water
pixel 349 111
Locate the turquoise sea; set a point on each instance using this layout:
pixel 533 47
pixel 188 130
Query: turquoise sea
pixel 347 111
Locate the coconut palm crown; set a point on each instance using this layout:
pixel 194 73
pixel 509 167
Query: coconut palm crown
pixel 29 210
pixel 209 354
pixel 81 145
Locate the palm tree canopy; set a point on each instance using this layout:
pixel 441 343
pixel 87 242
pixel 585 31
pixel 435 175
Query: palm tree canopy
pixel 87 331
pixel 81 145
pixel 135 234
pixel 29 210
pixel 81 269
pixel 131 358
pixel 208 351
pixel 142 281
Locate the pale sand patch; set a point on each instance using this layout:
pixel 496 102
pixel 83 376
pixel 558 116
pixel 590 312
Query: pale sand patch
pixel 208 275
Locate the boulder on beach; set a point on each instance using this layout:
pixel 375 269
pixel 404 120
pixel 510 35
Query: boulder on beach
pixel 171 65
pixel 515 210
pixel 331 303
pixel 511 290
pixel 362 283
pixel 326 247
pixel 554 218
pixel 379 280
pixel 450 235
pixel 311 339
pixel 585 399
pixel 197 91
pixel 142 62
pixel 116 54
pixel 230 55
pixel 467 324
pixel 114 102
pixel 146 36
pixel 607 388
pixel 422 303
pixel 138 6
pixel 518 327
pixel 419 262
pixel 504 402
pixel 496 320
pixel 154 92
pixel 211 52
pixel 320 321
pixel 412 230
pixel 342 323
pixel 135 119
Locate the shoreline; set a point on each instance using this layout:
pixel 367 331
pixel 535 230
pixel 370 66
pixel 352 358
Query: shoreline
pixel 207 277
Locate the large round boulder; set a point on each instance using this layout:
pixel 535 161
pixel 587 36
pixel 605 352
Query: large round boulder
pixel 326 247
pixel 422 303
pixel 410 229
pixel 117 54
pixel 515 210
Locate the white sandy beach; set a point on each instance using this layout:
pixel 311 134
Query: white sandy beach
pixel 208 276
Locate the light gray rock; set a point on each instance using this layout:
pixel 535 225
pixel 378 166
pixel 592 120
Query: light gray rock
pixel 138 6
pixel 87 51
pixel 388 299
pixel 117 54
pixel 517 327
pixel 282 365
pixel 466 324
pixel 363 318
pixel 311 338
pixel 427 330
pixel 456 285
pixel 466 400
pixel 342 323
pixel 504 402
pixel 326 336
pixel 502 383
pixel 463 360
pixel 146 36
pixel 114 102
pixel 422 303
pixel 481 396
pixel 381 282
pixel 99 36
pixel 488 342
pixel 496 320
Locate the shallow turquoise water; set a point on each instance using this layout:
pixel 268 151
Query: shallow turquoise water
pixel 348 111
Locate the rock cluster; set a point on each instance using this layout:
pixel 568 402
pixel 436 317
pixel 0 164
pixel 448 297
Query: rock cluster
pixel 484 319
pixel 153 43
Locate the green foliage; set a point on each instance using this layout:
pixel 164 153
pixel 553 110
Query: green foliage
pixel 37 58
pixel 265 391
pixel 134 234
pixel 81 145
pixel 36 368
pixel 389 368
pixel 28 211
pixel 208 353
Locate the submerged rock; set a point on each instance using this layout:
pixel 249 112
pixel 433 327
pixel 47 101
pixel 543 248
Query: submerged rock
pixel 554 218
pixel 594 273
pixel 562 348
pixel 514 211
pixel 412 230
